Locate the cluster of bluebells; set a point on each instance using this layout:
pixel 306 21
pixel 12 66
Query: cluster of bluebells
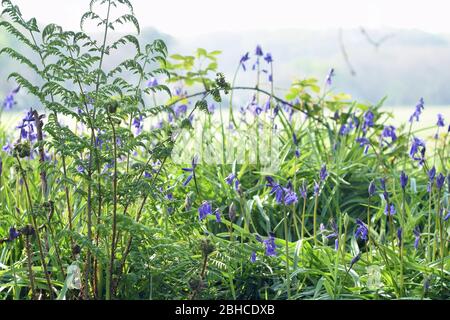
pixel 282 194
pixel 232 180
pixel 362 231
pixel 205 209
pixel 259 55
pixel 269 244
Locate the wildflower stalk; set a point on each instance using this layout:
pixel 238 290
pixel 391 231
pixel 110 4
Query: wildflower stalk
pixel 316 200
pixel 30 266
pixel 303 218
pixel 429 245
pixel 286 238
pixel 40 139
pixel 109 287
pixel 35 226
pixel 369 249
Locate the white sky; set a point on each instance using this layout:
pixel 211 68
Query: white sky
pixel 193 17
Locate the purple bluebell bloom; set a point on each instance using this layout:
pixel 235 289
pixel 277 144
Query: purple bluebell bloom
pixel 204 209
pixel 329 78
pixel 417 146
pixel 368 120
pixel 7 148
pixel 13 234
pixel 447 216
pixel 270 246
pixel 355 260
pixel 244 58
pixel 268 58
pixel 363 142
pixel 432 174
pixel 316 188
pixel 290 196
pixel 304 190
pixel 217 214
pixel 417 111
pixel 152 82
pixel 259 51
pixel 191 169
pixel 9 101
pixel 361 230
pixel 276 189
pixel 440 180
pixel 440 121
pixel 389 132
pixel 389 210
pixel 371 188
pixel 403 180
pixel 138 125
pixel 80 169
pixel 323 173
pixel 253 257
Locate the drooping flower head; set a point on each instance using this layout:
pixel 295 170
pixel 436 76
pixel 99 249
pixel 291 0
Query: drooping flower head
pixel 440 121
pixel 152 82
pixel 361 230
pixel 204 209
pixel 276 189
pixel 389 210
pixel 253 257
pixel 440 180
pixel 269 244
pixel 418 146
pixel 304 190
pixel 403 180
pixel 368 120
pixel 290 197
pixel 9 101
pixel 400 235
pixel 244 59
pixel 329 78
pixel 13 234
pixel 323 173
pixel 417 111
pixel 191 170
pixel 316 188
pixel 371 188
pixel 268 58
pixel 258 51
pixel 363 143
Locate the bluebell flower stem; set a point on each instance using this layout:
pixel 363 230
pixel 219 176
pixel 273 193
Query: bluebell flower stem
pixel 286 238
pixel 316 200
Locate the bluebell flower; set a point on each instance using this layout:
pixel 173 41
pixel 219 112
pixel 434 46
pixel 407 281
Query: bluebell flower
pixel 7 148
pixel 9 101
pixel 147 174
pixel 417 111
pixel 244 58
pixel 268 58
pixel 371 188
pixel 447 216
pixel 276 189
pixel 232 178
pixel 304 190
pixel 191 169
pixel 355 260
pixel 389 210
pixel 13 234
pixel 440 180
pixel 383 184
pixel 368 120
pixel 363 142
pixel 329 78
pixel 403 180
pixel 316 188
pixel 440 122
pixel 270 246
pixel 417 146
pixel 204 209
pixel 361 230
pixel 253 257
pixel 389 132
pixel 152 82
pixel 138 125
pixel 323 173
pixel 217 214
pixel 180 110
pixel 432 174
pixel 259 51
pixel 80 169
pixel 290 197
pixel 416 232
